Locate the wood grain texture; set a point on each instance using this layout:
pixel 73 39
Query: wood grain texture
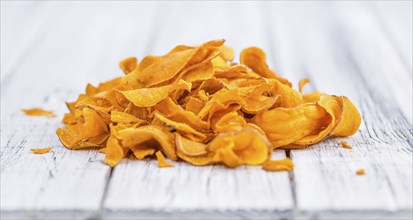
pixel 344 59
pixel 213 191
pixel 48 185
pixel 71 47
pixel 361 50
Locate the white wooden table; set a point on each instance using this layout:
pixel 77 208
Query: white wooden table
pixel 50 50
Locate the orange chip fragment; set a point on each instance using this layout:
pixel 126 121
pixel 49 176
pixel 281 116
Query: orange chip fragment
pixel 38 112
pixel 360 172
pixel 345 145
pixel 196 104
pixel 41 150
pixel 278 165
pixel 162 161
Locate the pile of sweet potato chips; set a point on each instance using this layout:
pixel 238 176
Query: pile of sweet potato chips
pixel 194 104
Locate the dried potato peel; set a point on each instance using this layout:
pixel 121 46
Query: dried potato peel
pixel 196 105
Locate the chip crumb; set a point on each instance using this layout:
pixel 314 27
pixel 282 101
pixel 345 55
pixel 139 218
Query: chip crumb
pixel 162 161
pixel 41 150
pixel 360 172
pixel 285 164
pixel 38 112
pixel 345 145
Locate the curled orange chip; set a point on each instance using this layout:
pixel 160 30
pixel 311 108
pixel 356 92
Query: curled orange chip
pixel 302 83
pixel 38 112
pixel 41 150
pixel 292 124
pixel 242 147
pixel 195 104
pixel 255 58
pixel 350 120
pixel 190 147
pixel 128 65
pixel 74 136
pixel 163 140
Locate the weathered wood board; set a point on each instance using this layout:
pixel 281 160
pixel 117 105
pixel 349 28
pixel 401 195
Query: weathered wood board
pixel 50 50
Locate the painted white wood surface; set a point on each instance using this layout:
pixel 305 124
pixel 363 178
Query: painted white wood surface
pixel 76 43
pixel 50 50
pixel 345 60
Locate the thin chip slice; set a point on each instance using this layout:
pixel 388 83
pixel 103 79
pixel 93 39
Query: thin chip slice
pixel 173 126
pixel 148 97
pixel 38 112
pixel 162 162
pixel 285 164
pixel 190 147
pixel 128 65
pixel 302 83
pixel 41 150
pixel 141 151
pixel 114 152
pixel 130 137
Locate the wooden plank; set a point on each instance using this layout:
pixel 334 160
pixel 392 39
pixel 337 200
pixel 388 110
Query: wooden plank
pixel 138 189
pixel 80 42
pixel 331 48
pixel 396 19
pixel 20 31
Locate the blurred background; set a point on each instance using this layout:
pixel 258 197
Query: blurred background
pixel 71 43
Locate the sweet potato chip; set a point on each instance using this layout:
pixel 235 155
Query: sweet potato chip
pixel 114 152
pixel 242 147
pixel 255 58
pixel 196 105
pixel 38 112
pixel 173 126
pixel 130 137
pixel 74 137
pixel 162 161
pixel 190 147
pixel 350 120
pixel 41 150
pixel 292 123
pixel 128 65
pixel 302 83
pixel 147 97
pixel 141 151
